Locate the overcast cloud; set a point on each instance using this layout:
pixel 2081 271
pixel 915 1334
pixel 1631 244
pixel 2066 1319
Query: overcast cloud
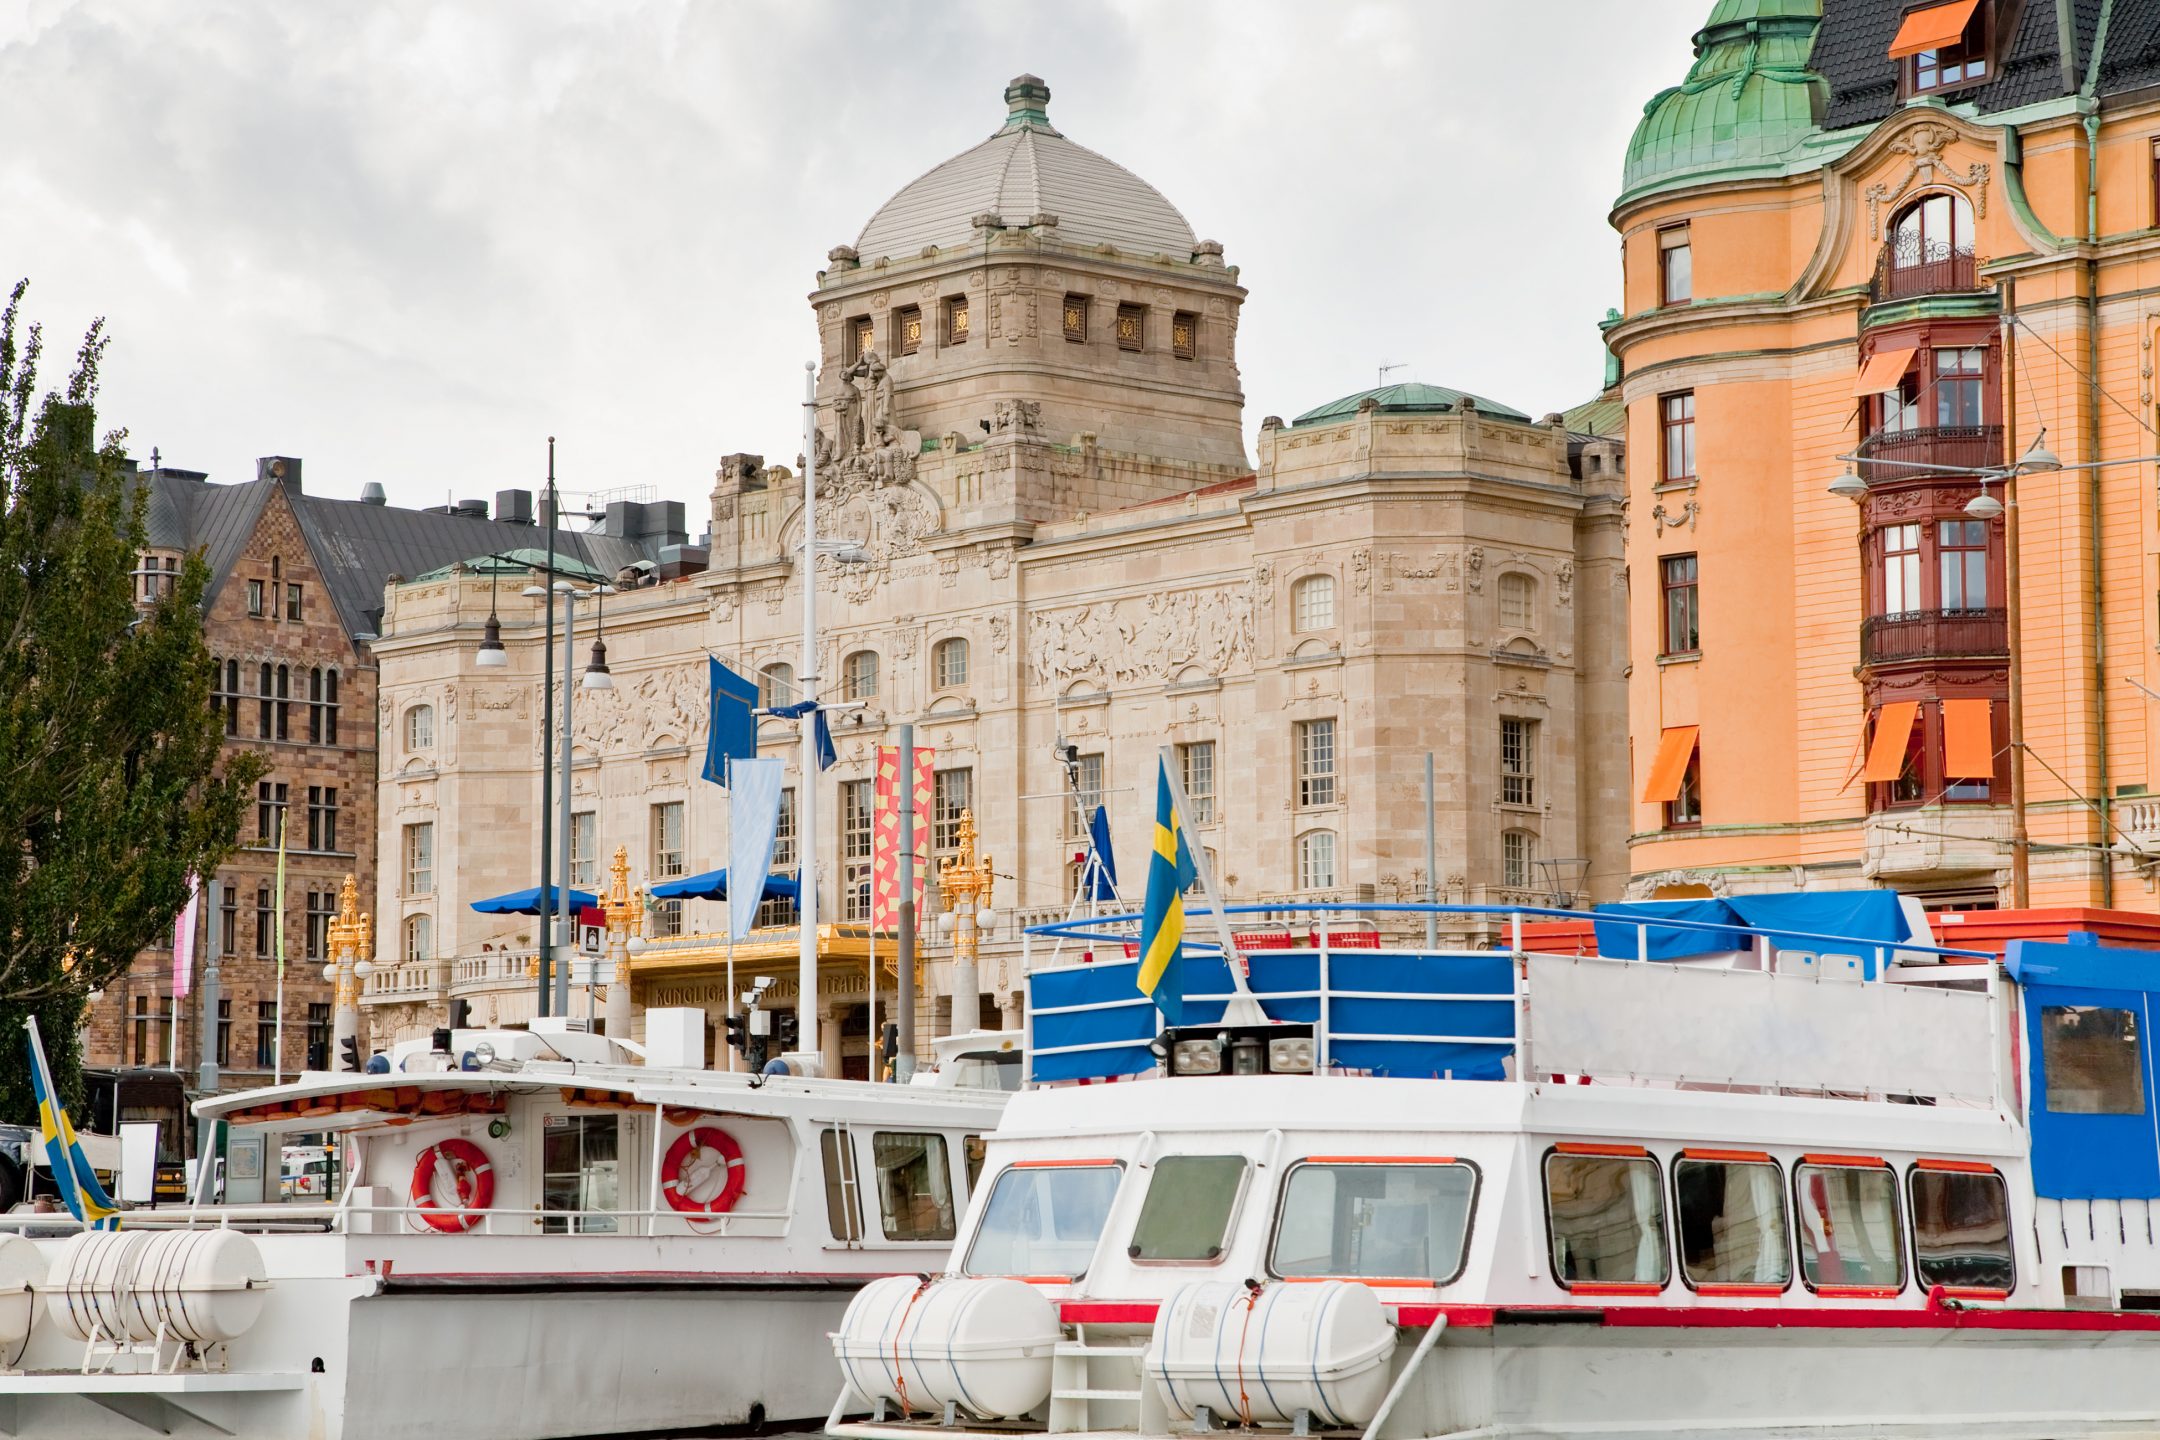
pixel 408 240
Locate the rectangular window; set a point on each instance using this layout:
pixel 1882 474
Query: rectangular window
pixel 580 1173
pixel 667 918
pixel 322 817
pixel 843 1187
pixel 1959 377
pixel 1075 317
pixel 142 1029
pixel 783 849
pixel 321 909
pixel 265 706
pixel 2090 1061
pixel 224 1033
pixel 907 330
pixel 266 1036
pixel 1676 415
pixel 1518 762
pixel 1961 1227
pixel 1962 548
pixel 1196 767
pixel 1901 569
pixel 951 792
pixel 1089 787
pixel 270 801
pixel 1131 327
pixel 1731 1220
pixel 1185 335
pixel 581 848
pixel 1607 1220
pixel 667 839
pixel 1315 762
pixel 914 1181
pixel 1043 1220
pixel 956 320
pixel 420 858
pixel 1378 1222
pixel 862 337
pixel 1685 808
pixel 255 599
pixel 284 703
pixel 1676 266
pixel 1515 853
pixel 228 919
pixel 1191 1200
pixel 293 610
pixel 318 1035
pixel 857 814
pixel 1677 577
pixel 265 921
pixel 1315 860
pixel 1951 60
pixel 1848 1223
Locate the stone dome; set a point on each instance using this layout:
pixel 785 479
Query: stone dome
pixel 1747 106
pixel 1027 169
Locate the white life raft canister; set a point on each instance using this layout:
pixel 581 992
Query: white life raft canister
pixel 983 1343
pixel 1321 1347
pixel 22 1266
pixel 206 1286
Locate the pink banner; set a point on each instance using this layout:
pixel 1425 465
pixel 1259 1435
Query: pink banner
pixel 183 950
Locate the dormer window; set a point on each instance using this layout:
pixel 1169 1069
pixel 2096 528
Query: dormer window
pixel 1943 46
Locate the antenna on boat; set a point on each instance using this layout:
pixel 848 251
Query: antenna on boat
pixel 1243 1008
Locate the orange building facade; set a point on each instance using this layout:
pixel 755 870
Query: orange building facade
pixel 1874 256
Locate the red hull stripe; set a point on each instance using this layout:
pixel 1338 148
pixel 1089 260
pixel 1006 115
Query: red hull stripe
pixel 1709 1317
pixel 1112 1312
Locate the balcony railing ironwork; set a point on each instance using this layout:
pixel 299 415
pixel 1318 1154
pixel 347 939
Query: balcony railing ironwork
pixel 1954 447
pixel 1934 635
pixel 1901 274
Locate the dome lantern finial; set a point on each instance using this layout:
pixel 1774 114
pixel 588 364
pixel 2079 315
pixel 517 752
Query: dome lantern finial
pixel 1027 104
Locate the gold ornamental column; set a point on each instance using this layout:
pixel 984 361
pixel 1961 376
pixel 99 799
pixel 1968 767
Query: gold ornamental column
pixel 625 909
pixel 964 884
pixel 351 937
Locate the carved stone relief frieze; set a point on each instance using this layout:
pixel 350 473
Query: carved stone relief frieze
pixel 1152 638
pixel 1922 147
pixel 1564 583
pixel 641 711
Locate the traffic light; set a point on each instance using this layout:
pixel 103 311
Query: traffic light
pixel 790 1031
pixel 349 1054
pixel 738 1037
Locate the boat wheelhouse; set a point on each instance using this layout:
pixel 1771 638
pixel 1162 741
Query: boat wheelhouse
pixel 1715 1177
pixel 525 1233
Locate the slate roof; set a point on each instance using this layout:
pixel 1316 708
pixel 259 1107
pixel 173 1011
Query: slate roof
pixel 1852 54
pixel 1026 169
pixel 1409 396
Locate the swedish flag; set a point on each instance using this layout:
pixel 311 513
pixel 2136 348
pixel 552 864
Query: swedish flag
pixel 1162 919
pixel 86 1200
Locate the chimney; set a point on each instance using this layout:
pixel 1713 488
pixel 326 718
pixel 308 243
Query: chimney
pixel 285 469
pixel 471 509
pixel 514 507
pixel 372 494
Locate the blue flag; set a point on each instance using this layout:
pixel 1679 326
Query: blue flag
pixel 826 755
pixel 753 820
pixel 1104 885
pixel 1162 920
pixel 732 734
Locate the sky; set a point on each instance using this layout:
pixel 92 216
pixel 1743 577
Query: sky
pixel 408 240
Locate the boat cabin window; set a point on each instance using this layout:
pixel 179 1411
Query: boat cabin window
pixel 914 1182
pixel 1374 1220
pixel 1961 1226
pixel 1848 1223
pixel 843 1193
pixel 1607 1219
pixel 973 1148
pixel 2089 1054
pixel 579 1174
pixel 1730 1213
pixel 1044 1219
pixel 1190 1202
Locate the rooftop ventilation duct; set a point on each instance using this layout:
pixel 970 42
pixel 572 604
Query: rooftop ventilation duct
pixel 372 494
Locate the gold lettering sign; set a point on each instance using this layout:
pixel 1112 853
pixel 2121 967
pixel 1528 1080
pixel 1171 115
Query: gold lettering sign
pixel 1075 319
pixel 957 323
pixel 910 330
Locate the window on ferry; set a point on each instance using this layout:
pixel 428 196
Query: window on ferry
pixel 949 663
pixel 1730 1215
pixel 1848 1224
pixel 1407 1221
pixel 843 1186
pixel 1676 265
pixel 914 1181
pixel 580 1179
pixel 1961 1226
pixel 1607 1219
pixel 972 1149
pixel 1190 1203
pixel 1676 413
pixel 2089 1055
pixel 1313 603
pixel 1043 1220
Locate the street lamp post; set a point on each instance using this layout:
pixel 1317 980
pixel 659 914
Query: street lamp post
pixel 964 885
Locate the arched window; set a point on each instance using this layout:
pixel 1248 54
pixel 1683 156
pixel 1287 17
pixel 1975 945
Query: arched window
pixel 1518 853
pixel 1931 246
pixel 776 685
pixel 1312 602
pixel 1316 860
pixel 420 727
pixel 1518 601
pixel 859 676
pixel 949 663
pixel 419 937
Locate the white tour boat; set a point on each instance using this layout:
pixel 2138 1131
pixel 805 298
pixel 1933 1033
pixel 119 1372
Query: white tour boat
pixel 1781 1167
pixel 529 1235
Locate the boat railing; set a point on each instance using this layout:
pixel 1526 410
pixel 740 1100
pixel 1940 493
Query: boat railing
pixel 1449 1012
pixel 318 1217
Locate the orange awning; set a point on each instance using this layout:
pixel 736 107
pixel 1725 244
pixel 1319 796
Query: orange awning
pixel 1674 747
pixel 1884 369
pixel 1932 28
pixel 1893 727
pixel 1968 740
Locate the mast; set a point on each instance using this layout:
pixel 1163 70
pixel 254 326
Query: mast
pixel 806 994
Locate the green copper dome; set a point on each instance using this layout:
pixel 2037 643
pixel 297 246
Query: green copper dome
pixel 1746 106
pixel 1409 396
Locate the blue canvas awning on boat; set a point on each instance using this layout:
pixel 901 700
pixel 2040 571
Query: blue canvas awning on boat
pixel 712 885
pixel 2094 1074
pixel 1860 916
pixel 527 902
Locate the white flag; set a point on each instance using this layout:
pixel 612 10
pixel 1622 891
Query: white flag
pixel 754 817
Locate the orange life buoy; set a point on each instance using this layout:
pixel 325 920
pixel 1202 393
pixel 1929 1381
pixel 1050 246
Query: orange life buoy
pixel 472 1175
pixel 689 1153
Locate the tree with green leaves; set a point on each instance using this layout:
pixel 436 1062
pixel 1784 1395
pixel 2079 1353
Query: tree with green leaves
pixel 112 790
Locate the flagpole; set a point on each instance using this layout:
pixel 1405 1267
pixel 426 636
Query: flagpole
pixel 806 996
pixel 277 1062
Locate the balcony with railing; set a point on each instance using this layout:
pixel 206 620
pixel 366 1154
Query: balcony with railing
pixel 1934 635
pixel 1945 447
pixel 1905 271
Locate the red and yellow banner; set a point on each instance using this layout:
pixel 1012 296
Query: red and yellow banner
pixel 885 838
